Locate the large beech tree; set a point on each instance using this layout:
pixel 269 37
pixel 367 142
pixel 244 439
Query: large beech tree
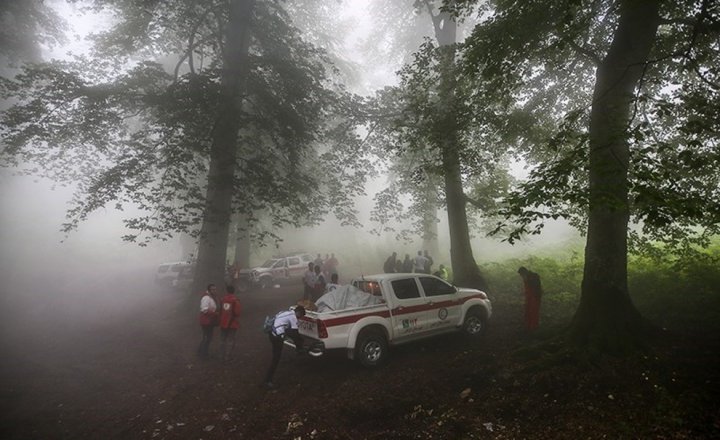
pixel 215 229
pixel 633 85
pixel 606 315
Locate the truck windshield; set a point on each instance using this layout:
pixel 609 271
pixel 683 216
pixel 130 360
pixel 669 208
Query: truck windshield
pixel 269 263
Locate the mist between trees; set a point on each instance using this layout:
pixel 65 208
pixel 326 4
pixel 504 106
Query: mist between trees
pixel 251 119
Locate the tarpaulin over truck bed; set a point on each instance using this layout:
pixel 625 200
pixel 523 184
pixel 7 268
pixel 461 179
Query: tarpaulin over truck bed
pixel 346 297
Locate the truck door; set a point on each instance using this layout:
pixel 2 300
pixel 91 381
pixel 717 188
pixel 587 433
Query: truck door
pixel 445 305
pixel 279 269
pixel 296 269
pixel 409 315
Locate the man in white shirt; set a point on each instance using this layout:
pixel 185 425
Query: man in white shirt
pixel 309 281
pixel 208 319
pixel 420 262
pixel 284 325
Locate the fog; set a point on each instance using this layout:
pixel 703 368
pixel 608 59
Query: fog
pixel 51 281
pixel 82 271
pixel 49 278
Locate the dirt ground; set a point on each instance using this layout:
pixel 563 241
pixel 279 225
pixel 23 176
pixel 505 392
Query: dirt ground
pixel 129 370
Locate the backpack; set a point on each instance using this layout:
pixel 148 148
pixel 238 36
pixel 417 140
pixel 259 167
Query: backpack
pixel 268 324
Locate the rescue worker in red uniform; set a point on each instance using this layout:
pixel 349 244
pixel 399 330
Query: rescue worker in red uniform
pixel 533 292
pixel 229 321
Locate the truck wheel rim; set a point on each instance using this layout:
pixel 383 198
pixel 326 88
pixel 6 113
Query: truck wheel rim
pixel 373 351
pixel 474 325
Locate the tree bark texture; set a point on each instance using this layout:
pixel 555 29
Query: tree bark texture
pixel 430 221
pixel 465 269
pixel 606 318
pixel 242 243
pixel 213 243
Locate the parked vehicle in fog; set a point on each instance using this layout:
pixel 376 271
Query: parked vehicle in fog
pixel 279 269
pixel 168 272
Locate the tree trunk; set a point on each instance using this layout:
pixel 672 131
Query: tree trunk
pixel 429 221
pixel 465 269
pixel 242 243
pixel 606 318
pixel 213 244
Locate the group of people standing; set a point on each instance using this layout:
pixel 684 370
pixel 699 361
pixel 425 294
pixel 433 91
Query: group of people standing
pixel 223 313
pixel 422 263
pixel 327 265
pixel 315 281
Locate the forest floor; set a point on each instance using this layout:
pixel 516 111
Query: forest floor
pixel 130 372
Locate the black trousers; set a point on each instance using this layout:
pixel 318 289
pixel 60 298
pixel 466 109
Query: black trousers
pixel 277 345
pixel 207 333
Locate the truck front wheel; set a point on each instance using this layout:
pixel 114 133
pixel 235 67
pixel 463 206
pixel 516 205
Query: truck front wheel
pixel 371 349
pixel 475 323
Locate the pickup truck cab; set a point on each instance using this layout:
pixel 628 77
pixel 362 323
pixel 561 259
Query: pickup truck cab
pixel 406 307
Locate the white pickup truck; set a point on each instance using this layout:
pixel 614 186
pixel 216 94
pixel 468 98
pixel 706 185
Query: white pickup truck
pixel 405 307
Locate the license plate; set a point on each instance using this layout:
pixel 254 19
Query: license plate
pixel 307 327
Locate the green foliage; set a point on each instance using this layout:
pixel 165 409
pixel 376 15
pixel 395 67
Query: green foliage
pixel 678 294
pixel 545 53
pixel 414 127
pixel 561 278
pixel 127 131
pixel 671 292
pixel 25 26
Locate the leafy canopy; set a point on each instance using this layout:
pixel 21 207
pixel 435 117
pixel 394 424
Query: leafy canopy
pixel 129 126
pixel 545 53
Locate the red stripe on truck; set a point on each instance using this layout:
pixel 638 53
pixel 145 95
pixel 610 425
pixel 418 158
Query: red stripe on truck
pixel 397 311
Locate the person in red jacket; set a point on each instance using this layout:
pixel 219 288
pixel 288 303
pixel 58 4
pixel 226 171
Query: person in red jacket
pixel 208 319
pixel 533 292
pixel 229 320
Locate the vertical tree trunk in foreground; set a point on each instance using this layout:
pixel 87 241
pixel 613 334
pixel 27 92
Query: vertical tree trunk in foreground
pixel 212 251
pixel 242 243
pixel 429 221
pixel 606 318
pixel 465 269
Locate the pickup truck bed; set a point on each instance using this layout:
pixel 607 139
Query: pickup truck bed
pixel 411 307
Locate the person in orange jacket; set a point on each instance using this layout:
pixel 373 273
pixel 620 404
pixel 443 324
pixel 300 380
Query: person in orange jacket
pixel 533 292
pixel 229 320
pixel 208 319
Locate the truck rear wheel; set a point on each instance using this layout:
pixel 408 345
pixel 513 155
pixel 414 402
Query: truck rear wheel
pixel 242 286
pixel 265 282
pixel 475 323
pixel 371 349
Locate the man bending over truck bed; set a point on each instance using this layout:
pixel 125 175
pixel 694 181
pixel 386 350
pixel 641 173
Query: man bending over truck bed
pixel 284 325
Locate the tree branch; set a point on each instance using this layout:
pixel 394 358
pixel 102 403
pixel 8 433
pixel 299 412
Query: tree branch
pixel 584 51
pixel 702 77
pixel 188 54
pixel 475 203
pixel 435 18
